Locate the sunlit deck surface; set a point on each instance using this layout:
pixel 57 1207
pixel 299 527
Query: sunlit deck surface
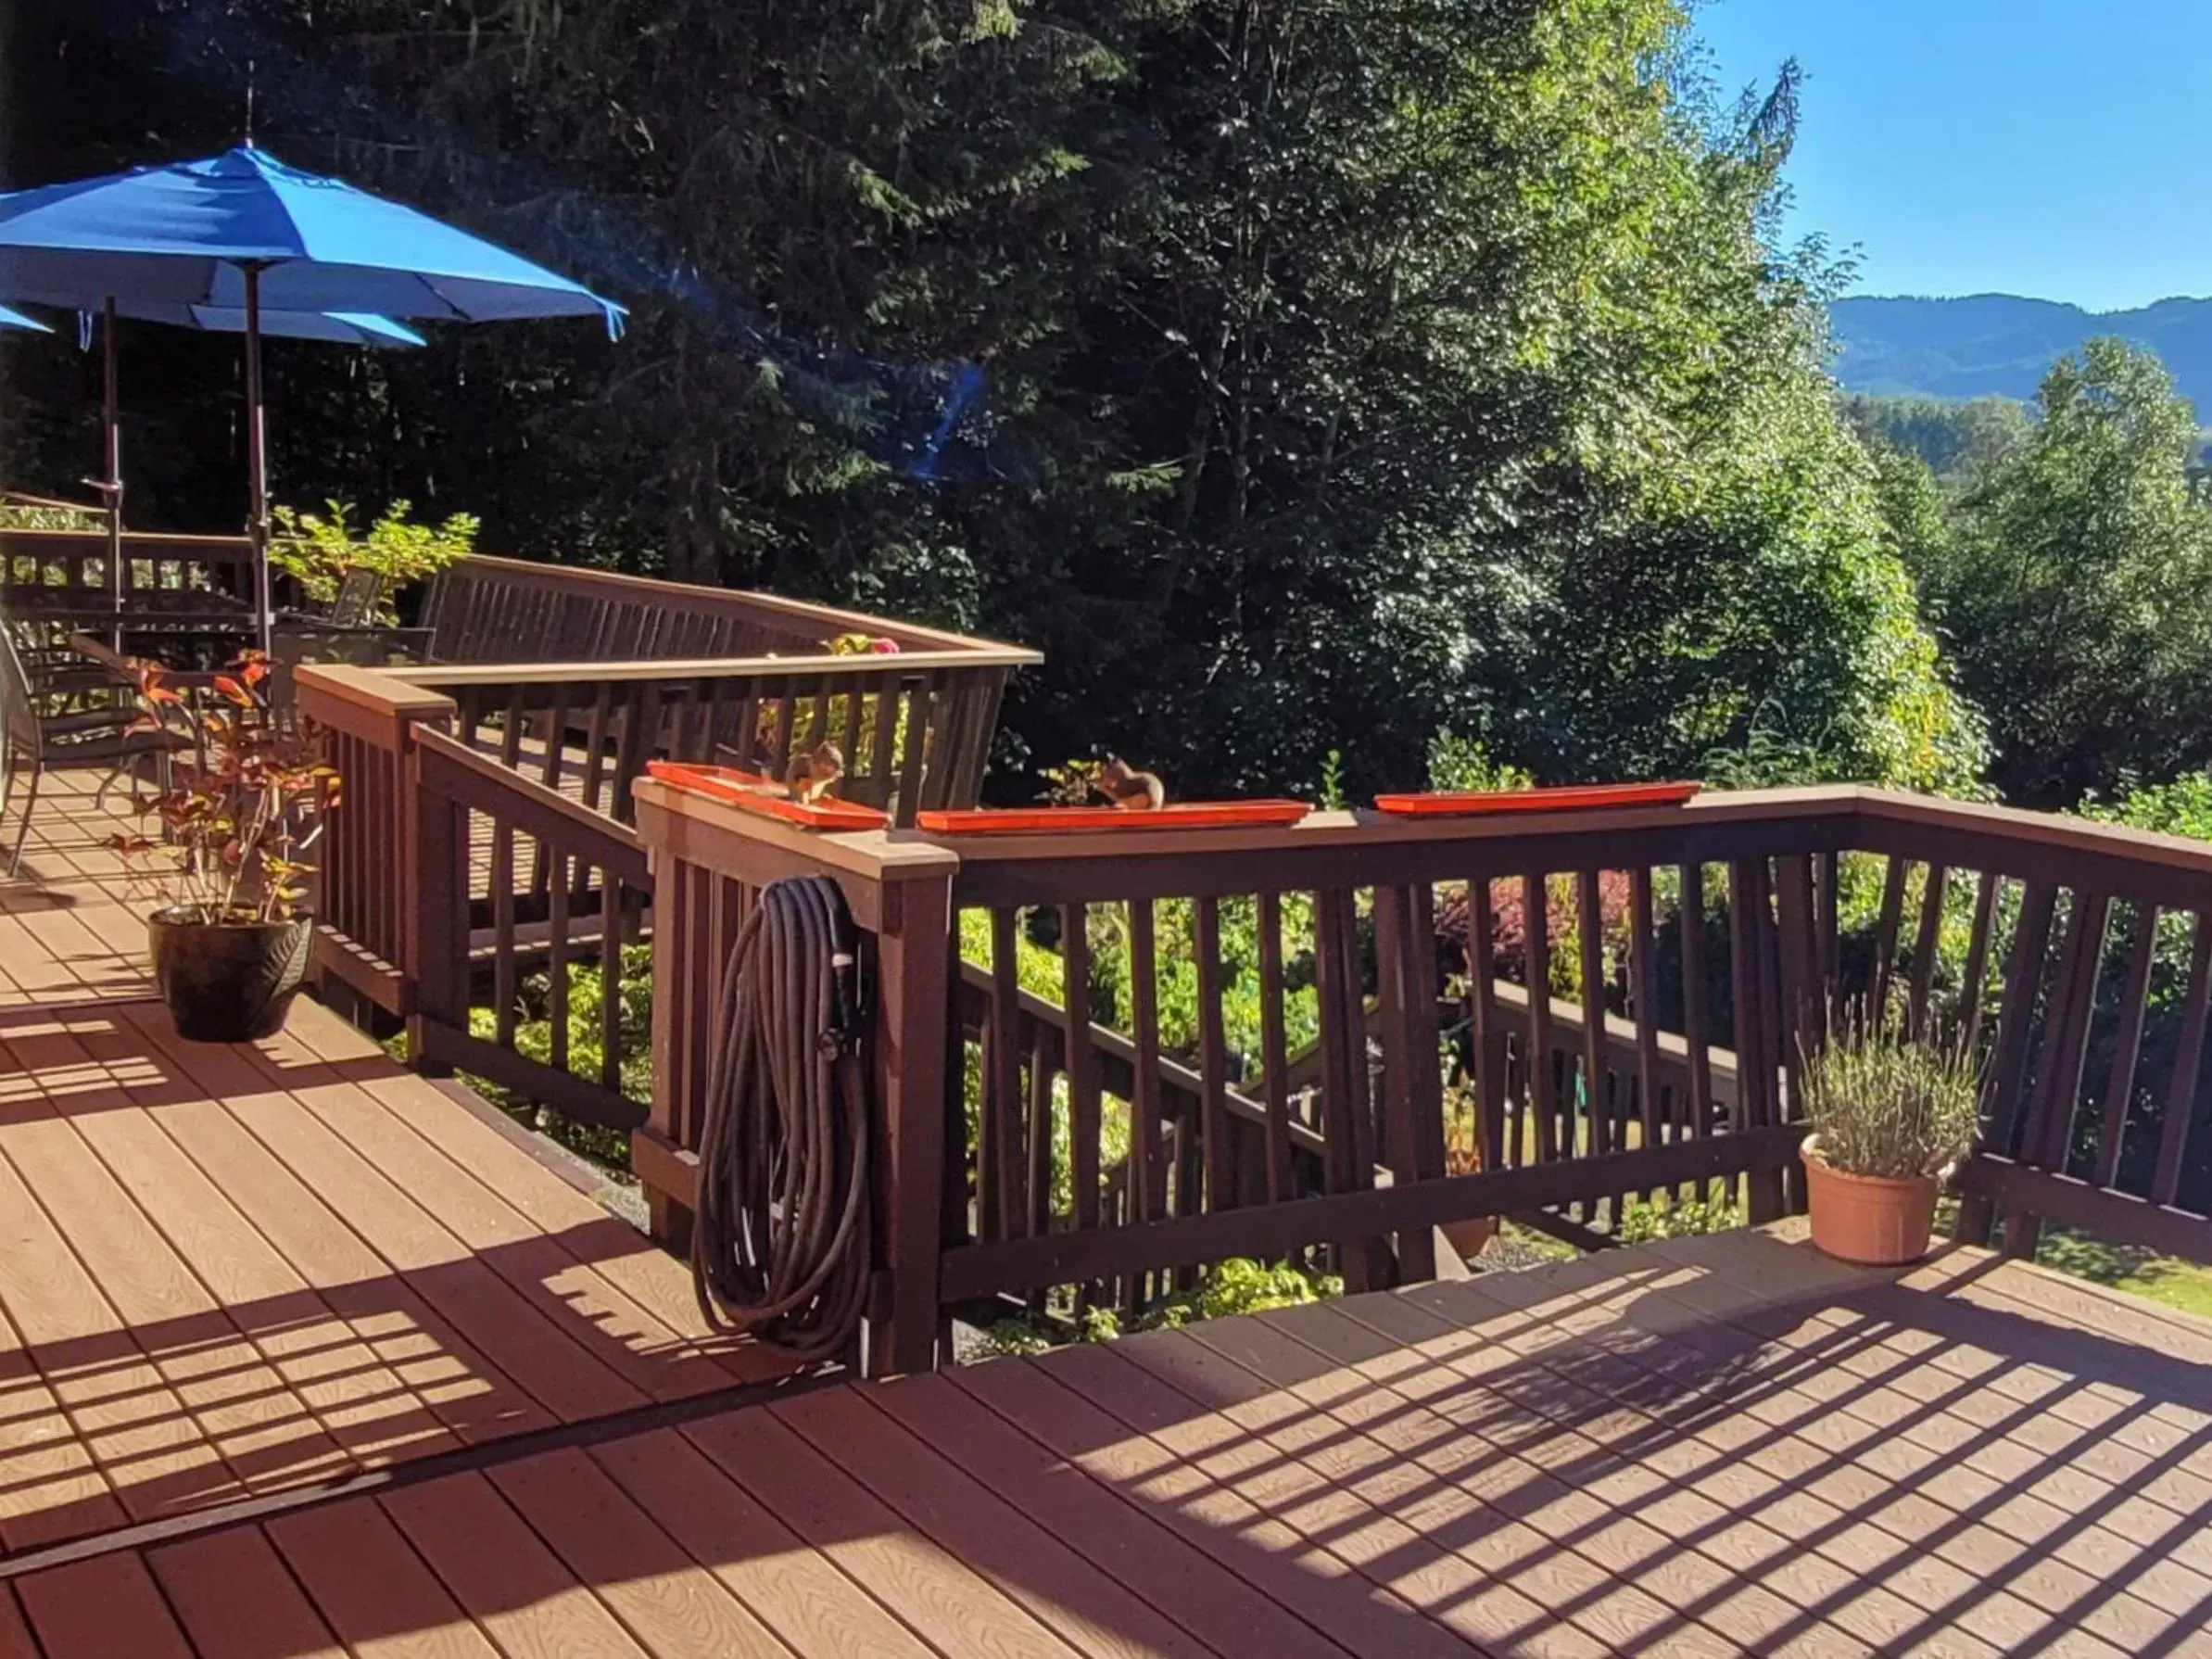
pixel 301 1355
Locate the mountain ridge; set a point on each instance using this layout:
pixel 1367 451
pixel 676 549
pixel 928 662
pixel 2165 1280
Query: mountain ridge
pixel 2000 344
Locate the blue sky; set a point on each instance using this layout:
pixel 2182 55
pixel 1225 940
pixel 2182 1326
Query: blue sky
pixel 2049 147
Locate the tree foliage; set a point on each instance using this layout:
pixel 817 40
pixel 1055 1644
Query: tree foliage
pixel 1301 375
pixel 2076 586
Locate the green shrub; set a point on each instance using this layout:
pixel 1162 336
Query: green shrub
pixel 1641 1221
pixel 317 550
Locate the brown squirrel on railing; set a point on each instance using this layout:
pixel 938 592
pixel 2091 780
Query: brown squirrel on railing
pixel 813 775
pixel 1128 789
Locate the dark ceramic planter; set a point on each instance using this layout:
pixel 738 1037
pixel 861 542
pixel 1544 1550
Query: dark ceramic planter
pixel 228 982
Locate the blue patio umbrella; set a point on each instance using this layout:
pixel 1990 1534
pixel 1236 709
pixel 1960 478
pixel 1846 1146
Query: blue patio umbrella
pixel 244 230
pixel 337 328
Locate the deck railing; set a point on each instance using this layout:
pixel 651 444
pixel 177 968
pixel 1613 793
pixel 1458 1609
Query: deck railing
pixel 1712 947
pixel 532 765
pixel 64 576
pixel 1263 1043
pixel 915 728
pixel 488 610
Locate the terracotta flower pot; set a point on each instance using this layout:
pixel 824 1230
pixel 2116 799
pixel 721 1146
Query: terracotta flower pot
pixel 227 981
pixel 1870 1220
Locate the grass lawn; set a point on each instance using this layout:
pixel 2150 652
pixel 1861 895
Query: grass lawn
pixel 2131 1268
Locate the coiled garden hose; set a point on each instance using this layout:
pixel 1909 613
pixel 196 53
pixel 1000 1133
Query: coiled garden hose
pixel 780 1247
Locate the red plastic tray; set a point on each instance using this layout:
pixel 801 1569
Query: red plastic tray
pixel 1060 820
pixel 751 792
pixel 1464 803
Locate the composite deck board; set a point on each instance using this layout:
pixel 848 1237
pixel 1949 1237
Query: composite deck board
pixel 1782 1458
pixel 228 1270
pixel 965 1518
pixel 793 1590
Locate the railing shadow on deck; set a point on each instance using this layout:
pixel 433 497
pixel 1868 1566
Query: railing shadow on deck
pixel 1647 1456
pixel 396 1317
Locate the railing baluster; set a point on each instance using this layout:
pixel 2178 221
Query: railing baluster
pixel 2023 980
pixel 1348 1131
pixel 1003 1213
pixel 1081 1064
pixel 639 736
pixel 787 715
pixel 549 770
pixel 744 736
pixel 501 876
pixel 1756 1063
pixel 1978 956
pixel 2008 1061
pixel 2126 1045
pixel 1596 1106
pixel 1150 1184
pixel 2058 1083
pixel 883 702
pixel 1895 874
pixel 595 743
pixel 1801 999
pixel 1643 974
pixel 1419 1156
pixel 1039 1178
pixel 1275 1056
pixel 557 898
pixel 913 744
pixel 1486 1028
pixel 609 967
pixel 1536 934
pixel 1213 1059
pixel 1927 942
pixel 2189 1054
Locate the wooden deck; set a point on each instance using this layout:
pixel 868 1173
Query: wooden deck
pixel 1712 1447
pixel 301 1355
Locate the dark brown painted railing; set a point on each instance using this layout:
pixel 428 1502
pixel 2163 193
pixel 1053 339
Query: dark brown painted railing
pixel 561 886
pixel 915 728
pixel 2086 977
pixel 1674 1067
pixel 63 576
pixel 2077 957
pixel 1570 1121
pixel 488 610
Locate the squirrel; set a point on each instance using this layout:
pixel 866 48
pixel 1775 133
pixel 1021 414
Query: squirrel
pixel 813 775
pixel 1130 790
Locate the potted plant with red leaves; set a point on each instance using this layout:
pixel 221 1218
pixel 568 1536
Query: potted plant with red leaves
pixel 242 808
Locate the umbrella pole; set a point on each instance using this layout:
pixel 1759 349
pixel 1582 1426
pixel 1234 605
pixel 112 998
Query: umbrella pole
pixel 257 464
pixel 112 455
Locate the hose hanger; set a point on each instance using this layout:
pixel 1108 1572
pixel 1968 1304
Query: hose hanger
pixel 781 1245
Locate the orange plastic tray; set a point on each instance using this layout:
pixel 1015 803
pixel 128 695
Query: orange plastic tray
pixel 1464 804
pixel 751 792
pixel 1058 820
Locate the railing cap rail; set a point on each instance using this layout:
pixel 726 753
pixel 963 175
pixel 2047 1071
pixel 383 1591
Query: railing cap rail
pixel 872 853
pixel 337 692
pixel 458 674
pixel 2058 830
pixel 1363 827
pixel 97 540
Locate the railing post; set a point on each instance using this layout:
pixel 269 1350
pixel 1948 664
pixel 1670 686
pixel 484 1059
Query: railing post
pixel 435 864
pixel 374 916
pixel 914 1025
pixel 704 856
